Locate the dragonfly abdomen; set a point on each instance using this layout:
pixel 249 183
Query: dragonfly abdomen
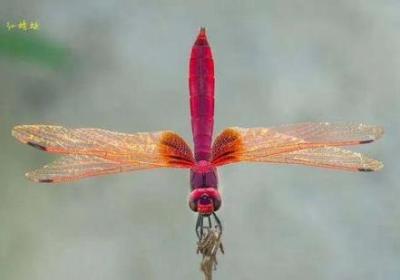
pixel 201 86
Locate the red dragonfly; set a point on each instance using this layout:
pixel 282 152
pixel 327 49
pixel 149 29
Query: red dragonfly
pixel 90 152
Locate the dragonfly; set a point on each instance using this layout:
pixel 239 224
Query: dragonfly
pixel 87 152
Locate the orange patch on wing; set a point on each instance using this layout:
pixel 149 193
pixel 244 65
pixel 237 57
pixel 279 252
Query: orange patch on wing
pixel 175 151
pixel 227 147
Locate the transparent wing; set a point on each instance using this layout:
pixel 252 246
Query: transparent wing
pixel 74 167
pixel 162 149
pixel 260 144
pixel 329 157
pixel 332 134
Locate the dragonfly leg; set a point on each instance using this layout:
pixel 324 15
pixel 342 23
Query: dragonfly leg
pixel 213 222
pixel 199 226
pixel 218 222
pixel 197 229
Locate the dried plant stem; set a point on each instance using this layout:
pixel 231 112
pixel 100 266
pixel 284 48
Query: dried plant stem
pixel 208 246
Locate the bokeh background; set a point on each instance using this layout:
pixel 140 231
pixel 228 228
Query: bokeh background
pixel 122 65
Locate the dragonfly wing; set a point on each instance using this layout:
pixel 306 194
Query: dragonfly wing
pixel 74 167
pixel 262 144
pixel 328 157
pixel 161 149
pixel 333 134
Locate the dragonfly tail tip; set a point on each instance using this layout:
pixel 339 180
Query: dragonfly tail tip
pixel 202 33
pixel 201 38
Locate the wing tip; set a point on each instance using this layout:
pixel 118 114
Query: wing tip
pixel 377 132
pixel 367 141
pixel 21 133
pixel 366 169
pixel 37 146
pixel 16 131
pixel 32 177
pixel 377 167
pixel 23 139
pixel 45 181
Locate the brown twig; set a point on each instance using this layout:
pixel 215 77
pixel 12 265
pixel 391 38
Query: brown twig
pixel 208 246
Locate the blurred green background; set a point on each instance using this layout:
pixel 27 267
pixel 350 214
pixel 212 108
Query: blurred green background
pixel 122 65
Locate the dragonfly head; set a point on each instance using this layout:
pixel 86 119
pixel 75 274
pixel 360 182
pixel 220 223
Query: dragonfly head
pixel 204 200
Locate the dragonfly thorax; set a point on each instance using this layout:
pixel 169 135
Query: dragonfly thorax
pixel 203 174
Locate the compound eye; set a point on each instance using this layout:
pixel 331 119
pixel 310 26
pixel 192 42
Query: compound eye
pixel 193 206
pixel 217 204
